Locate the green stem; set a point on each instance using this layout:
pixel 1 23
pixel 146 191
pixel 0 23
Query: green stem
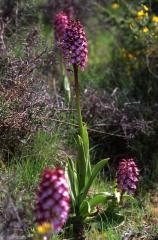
pixel 77 92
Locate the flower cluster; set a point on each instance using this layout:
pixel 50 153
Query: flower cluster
pixel 60 24
pixel 53 201
pixel 127 176
pixel 143 12
pixel 146 20
pixel 74 45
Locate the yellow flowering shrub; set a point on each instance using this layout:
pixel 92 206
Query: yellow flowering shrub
pixel 138 30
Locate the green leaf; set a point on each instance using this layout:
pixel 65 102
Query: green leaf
pixel 85 139
pixel 73 181
pixel 98 167
pixel 83 161
pixel 81 164
pixel 85 209
pixel 100 198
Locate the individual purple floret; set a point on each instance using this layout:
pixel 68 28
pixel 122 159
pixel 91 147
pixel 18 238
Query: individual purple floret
pixel 74 45
pixel 127 176
pixel 60 24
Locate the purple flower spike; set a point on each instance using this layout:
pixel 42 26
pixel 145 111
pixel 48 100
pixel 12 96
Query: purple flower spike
pixel 74 45
pixel 53 200
pixel 60 24
pixel 127 176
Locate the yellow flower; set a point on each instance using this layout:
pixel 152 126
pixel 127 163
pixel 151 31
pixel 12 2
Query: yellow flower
pixel 145 29
pixel 145 7
pixel 141 14
pixel 44 228
pixel 155 19
pixel 115 5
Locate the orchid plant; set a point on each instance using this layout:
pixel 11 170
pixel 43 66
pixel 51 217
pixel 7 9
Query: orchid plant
pixel 81 173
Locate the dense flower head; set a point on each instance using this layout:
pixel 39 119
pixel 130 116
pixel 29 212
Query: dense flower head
pixel 60 24
pixel 74 45
pixel 53 201
pixel 127 176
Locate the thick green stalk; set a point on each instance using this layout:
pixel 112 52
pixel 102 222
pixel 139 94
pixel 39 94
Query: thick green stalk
pixel 77 92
